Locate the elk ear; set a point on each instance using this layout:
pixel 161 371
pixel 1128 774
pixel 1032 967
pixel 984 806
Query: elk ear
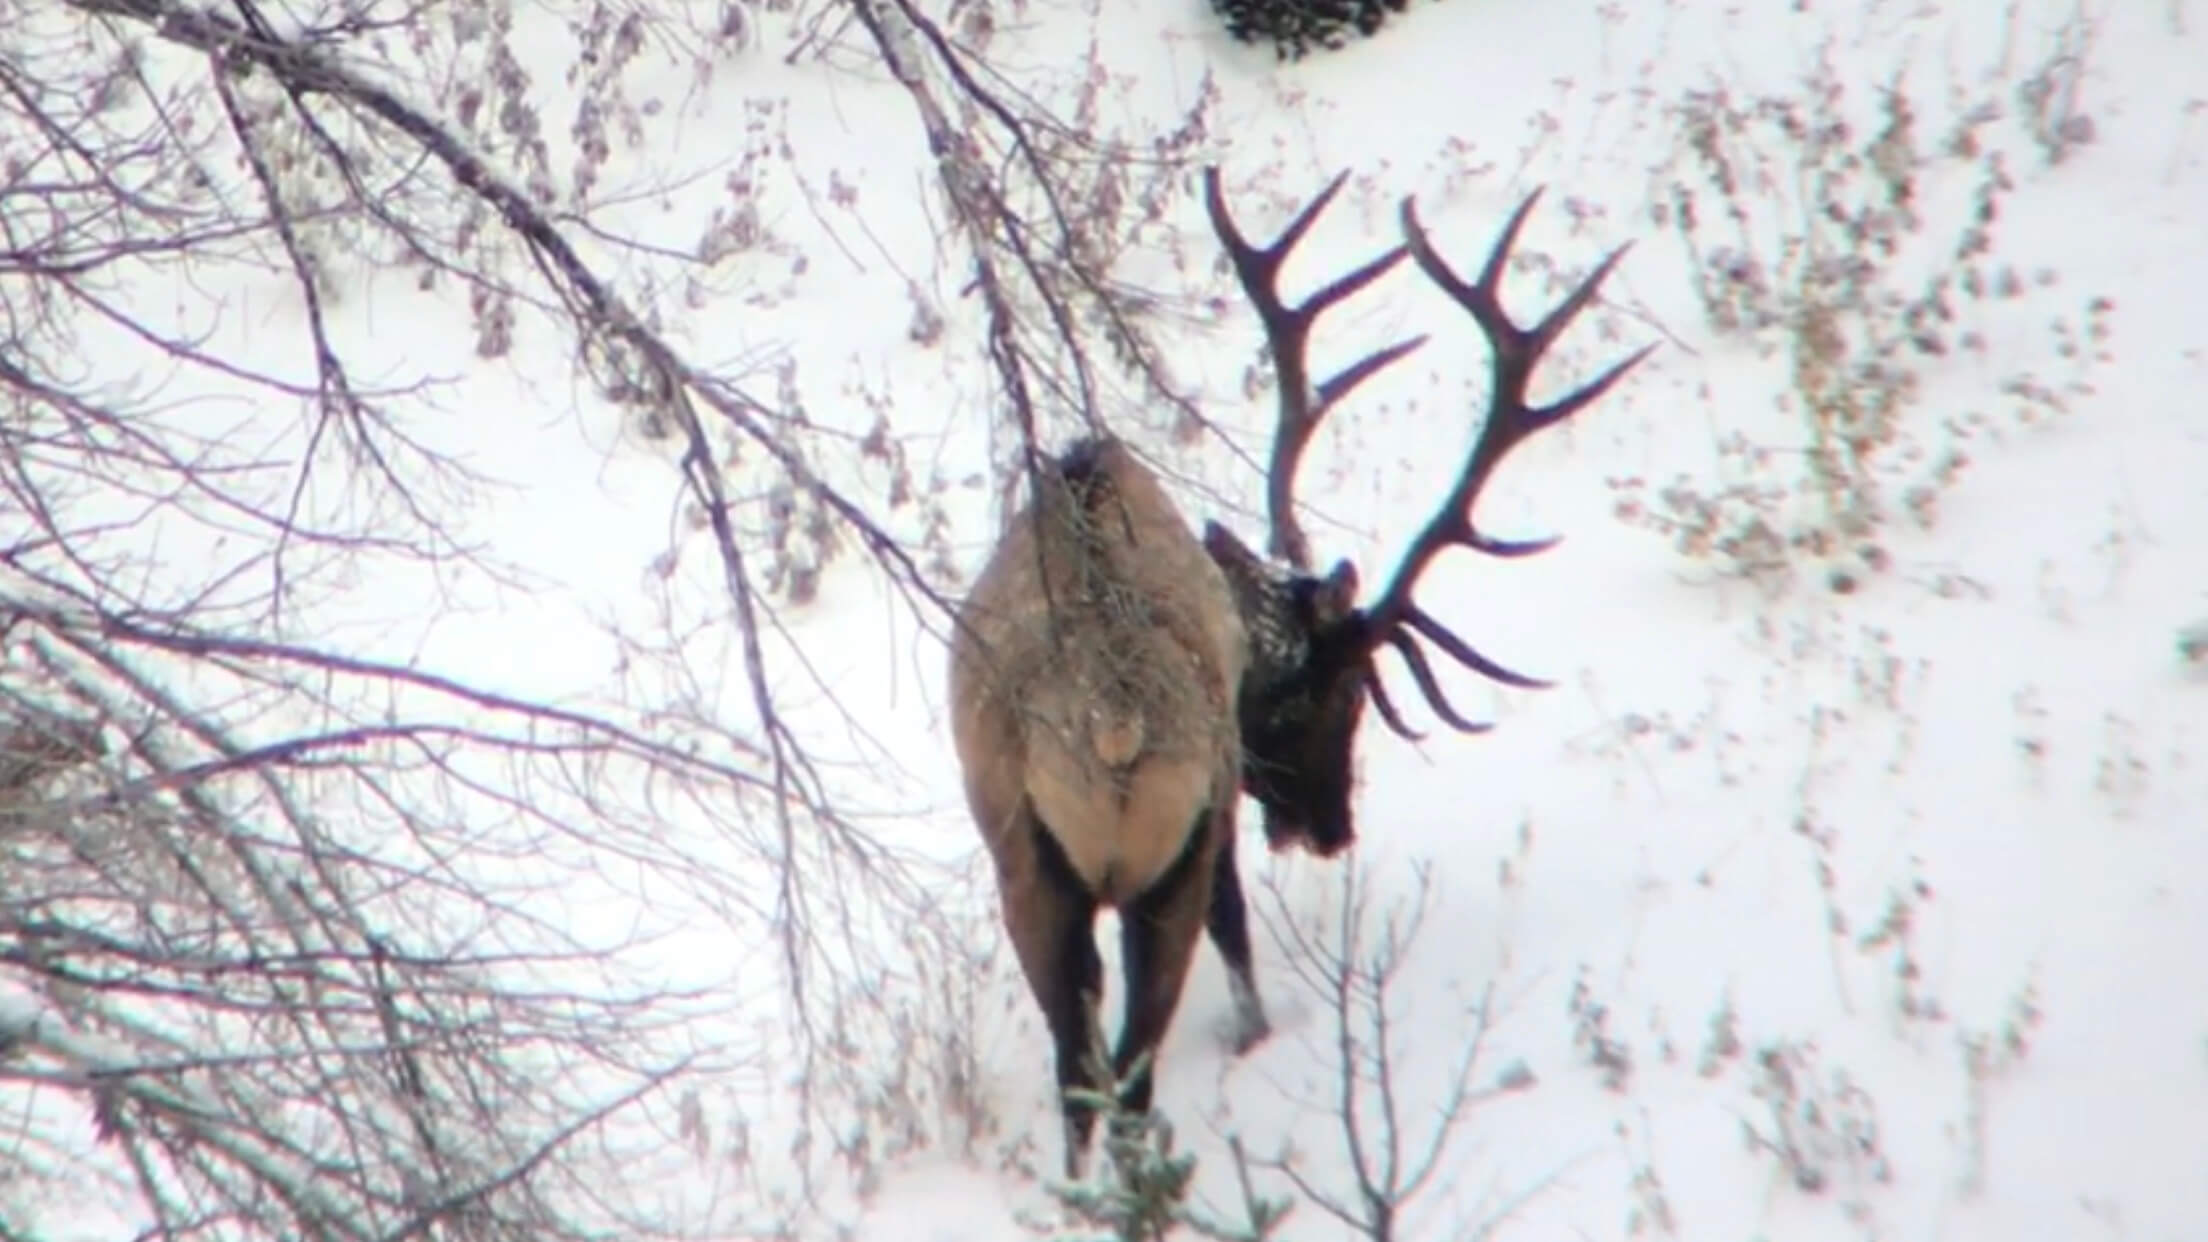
pixel 1336 596
pixel 1230 553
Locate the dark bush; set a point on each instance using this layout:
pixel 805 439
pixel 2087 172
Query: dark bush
pixel 1294 26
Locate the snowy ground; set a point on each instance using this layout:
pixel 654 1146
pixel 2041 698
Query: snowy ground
pixel 1671 873
pixel 1810 913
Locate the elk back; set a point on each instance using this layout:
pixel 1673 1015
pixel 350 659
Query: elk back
pixel 1094 672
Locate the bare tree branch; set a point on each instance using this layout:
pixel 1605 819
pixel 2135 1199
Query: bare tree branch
pixel 318 936
pixel 1354 968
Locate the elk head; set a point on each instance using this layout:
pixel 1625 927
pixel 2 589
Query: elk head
pixel 1312 646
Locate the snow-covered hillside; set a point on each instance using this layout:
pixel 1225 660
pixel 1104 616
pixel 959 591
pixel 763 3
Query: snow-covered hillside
pixel 1851 881
pixel 1856 903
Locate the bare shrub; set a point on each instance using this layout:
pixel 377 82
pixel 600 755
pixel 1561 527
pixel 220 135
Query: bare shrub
pixel 1820 1124
pixel 330 946
pixel 1858 258
pixel 1350 962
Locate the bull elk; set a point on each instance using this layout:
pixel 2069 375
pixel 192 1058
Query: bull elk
pixel 1115 681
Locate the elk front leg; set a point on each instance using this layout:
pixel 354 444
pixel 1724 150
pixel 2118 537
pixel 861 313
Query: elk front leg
pixel 1229 925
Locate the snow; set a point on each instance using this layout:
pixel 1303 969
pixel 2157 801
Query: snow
pixel 1998 733
pixel 1661 811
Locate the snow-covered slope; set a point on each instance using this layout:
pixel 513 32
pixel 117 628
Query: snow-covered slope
pixel 1852 885
pixel 1813 913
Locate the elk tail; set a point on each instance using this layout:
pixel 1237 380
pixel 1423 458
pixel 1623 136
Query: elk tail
pixel 1083 467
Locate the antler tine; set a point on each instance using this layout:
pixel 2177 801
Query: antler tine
pixel 1386 707
pixel 1422 673
pixel 1287 336
pixel 1396 617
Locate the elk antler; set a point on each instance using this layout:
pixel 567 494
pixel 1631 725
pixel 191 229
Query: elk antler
pixel 1287 335
pixel 1396 619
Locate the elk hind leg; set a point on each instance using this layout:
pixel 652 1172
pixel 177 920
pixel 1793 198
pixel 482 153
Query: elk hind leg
pixel 1229 924
pixel 1051 916
pixel 1158 932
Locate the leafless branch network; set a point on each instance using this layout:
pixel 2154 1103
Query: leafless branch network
pixel 1352 967
pixel 318 939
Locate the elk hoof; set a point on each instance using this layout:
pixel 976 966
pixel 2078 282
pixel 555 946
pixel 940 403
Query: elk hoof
pixel 1249 1025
